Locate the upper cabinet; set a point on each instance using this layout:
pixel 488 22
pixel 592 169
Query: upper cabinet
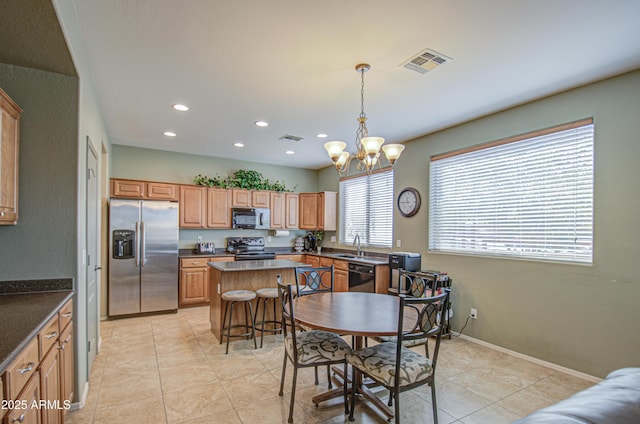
pixel 318 211
pixel 10 123
pixel 292 212
pixel 241 198
pixel 133 189
pixel 202 207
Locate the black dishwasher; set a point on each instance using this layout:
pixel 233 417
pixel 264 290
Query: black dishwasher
pixel 361 278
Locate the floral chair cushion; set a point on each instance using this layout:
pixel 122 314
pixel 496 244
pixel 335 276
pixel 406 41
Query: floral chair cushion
pixel 318 347
pixel 379 362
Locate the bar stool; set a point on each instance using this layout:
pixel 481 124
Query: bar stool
pixel 232 297
pixel 267 295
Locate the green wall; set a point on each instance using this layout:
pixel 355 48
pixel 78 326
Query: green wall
pixel 43 243
pixel 580 317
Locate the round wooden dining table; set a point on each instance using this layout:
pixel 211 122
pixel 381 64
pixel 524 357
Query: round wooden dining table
pixel 353 313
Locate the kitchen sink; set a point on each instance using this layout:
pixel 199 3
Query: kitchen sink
pixel 339 255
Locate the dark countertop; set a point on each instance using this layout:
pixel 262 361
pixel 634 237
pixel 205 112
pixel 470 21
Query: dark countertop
pixel 259 265
pixel 22 316
pixel 373 259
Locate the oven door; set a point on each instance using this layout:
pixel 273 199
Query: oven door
pixel 361 278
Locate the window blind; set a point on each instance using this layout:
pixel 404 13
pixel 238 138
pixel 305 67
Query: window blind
pixel 366 209
pixel 531 198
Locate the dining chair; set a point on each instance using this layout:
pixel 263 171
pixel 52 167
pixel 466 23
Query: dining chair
pixel 307 348
pixel 397 367
pixel 310 280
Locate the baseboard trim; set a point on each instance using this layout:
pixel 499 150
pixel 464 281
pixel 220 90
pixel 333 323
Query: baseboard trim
pixel 537 361
pixel 83 399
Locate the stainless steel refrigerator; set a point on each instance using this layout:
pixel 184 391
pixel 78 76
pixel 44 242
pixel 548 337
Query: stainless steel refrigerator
pixel 143 259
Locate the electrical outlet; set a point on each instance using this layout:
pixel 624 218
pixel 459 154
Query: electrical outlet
pixel 474 313
pixel 333 239
pixel 398 243
pixel 268 238
pixel 199 239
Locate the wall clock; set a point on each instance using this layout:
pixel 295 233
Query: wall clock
pixel 409 201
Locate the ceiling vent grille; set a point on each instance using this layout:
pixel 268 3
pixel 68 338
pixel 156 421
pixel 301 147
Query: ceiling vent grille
pixel 425 61
pixel 290 138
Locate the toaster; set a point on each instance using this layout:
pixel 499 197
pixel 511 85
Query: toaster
pixel 206 247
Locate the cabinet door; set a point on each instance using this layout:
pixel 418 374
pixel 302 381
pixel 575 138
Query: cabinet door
pixel 66 367
pixel 340 280
pixel 240 198
pixel 10 122
pixel 308 211
pixel 194 286
pixel 162 191
pixel 30 396
pixel 193 206
pixel 277 210
pixel 50 386
pixel 292 211
pixel 327 202
pixel 260 198
pixel 314 261
pixel 127 188
pixel 218 211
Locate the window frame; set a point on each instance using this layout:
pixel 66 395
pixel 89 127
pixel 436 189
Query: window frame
pixel 579 255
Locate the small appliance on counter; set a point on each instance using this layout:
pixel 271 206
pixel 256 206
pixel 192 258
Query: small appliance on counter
pixel 248 248
pixel 310 243
pixel 206 247
pixel 408 261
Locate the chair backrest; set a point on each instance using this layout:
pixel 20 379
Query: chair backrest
pixel 431 316
pixel 285 292
pixel 418 283
pixel 311 280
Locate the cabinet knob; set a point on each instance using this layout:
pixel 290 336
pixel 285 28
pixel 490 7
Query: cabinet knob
pixel 19 419
pixel 29 367
pixel 1 213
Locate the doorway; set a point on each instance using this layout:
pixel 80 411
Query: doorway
pixel 93 252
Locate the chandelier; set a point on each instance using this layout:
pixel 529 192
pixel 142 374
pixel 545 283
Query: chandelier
pixel 367 156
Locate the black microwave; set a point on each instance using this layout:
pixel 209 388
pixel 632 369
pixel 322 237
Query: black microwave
pixel 251 218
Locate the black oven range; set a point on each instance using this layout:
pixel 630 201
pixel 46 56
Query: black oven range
pixel 248 248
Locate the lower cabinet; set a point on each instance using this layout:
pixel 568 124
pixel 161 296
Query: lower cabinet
pixel 340 275
pixel 66 369
pixel 50 387
pixel 194 280
pixel 24 411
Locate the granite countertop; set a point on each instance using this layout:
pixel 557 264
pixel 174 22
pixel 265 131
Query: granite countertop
pixel 22 316
pixel 379 259
pixel 258 265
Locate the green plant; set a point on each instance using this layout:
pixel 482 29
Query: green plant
pixel 318 234
pixel 245 179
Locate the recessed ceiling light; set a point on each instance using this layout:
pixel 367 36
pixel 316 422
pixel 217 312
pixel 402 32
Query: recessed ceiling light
pixel 238 144
pixel 180 107
pixel 169 133
pixel 262 123
pixel 290 152
pixel 322 135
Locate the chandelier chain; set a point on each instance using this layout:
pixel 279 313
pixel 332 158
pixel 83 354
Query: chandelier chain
pixel 362 114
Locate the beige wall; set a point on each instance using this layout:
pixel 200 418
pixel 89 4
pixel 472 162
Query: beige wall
pixel 580 317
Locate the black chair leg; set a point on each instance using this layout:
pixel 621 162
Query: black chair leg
pixel 433 402
pixel 226 352
pixel 293 393
pixel 344 386
pixel 253 326
pixel 224 318
pixel 315 369
pixel 329 376
pixel 397 407
pixel 353 392
pixel 284 371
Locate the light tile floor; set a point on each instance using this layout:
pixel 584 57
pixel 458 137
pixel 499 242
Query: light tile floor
pixel 171 369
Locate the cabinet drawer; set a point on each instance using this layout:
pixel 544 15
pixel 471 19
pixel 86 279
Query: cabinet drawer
pixel 66 315
pixel 127 188
pixel 48 336
pixel 194 262
pixel 343 265
pixel 162 191
pixel 21 369
pixel 326 261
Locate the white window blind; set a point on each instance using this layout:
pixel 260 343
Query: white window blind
pixel 366 209
pixel 531 198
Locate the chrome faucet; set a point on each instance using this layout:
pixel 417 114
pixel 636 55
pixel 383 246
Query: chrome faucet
pixel 356 239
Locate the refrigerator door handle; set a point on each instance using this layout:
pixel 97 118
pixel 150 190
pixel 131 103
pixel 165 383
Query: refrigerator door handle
pixel 143 245
pixel 138 245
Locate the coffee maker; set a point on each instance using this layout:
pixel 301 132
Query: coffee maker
pixel 310 243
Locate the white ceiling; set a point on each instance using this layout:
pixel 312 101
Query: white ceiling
pixel 291 63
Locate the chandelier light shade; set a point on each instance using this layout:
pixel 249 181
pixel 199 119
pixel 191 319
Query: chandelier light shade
pixel 367 148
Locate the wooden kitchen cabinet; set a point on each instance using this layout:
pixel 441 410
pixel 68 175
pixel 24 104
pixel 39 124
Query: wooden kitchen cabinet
pixel 340 275
pixel 312 260
pixel 218 211
pixel 382 279
pixel 28 397
pixel 193 206
pixel 240 198
pixel 318 211
pixel 278 212
pixel 260 198
pixel 292 211
pixel 50 386
pixel 134 189
pixel 9 137
pixel 65 344
pixel 194 282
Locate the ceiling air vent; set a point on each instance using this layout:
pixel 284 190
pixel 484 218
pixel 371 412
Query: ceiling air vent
pixel 425 61
pixel 290 138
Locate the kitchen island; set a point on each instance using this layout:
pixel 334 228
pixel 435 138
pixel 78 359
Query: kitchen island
pixel 245 275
